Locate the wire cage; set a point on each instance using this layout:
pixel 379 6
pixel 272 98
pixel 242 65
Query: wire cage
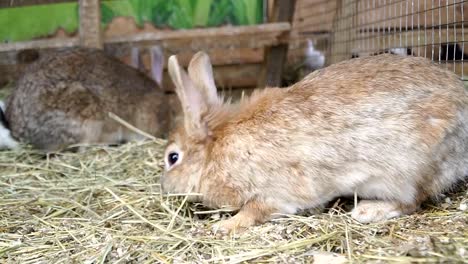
pixel 431 29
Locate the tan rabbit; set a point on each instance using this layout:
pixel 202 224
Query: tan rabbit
pixel 65 97
pixel 393 129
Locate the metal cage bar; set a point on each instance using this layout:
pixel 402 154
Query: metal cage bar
pixel 431 29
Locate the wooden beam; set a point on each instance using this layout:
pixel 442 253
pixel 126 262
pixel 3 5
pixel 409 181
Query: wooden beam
pixel 39 44
pixel 219 34
pixel 217 57
pixel 314 16
pixel 276 55
pixel 256 36
pixel 227 76
pixel 90 24
pixel 18 3
pixel 270 5
pixel 228 37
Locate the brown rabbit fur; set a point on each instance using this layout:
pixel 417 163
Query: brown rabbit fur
pixel 392 129
pixel 64 98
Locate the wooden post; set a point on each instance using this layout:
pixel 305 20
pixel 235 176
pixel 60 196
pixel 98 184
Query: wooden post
pixel 276 55
pixel 90 24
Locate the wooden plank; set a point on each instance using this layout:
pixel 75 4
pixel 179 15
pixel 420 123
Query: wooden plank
pixel 196 44
pixel 90 24
pixel 270 5
pixel 227 76
pixel 221 34
pixel 217 57
pixel 314 15
pixel 40 44
pixel 276 55
pixel 17 3
pixel 181 40
pixel 274 67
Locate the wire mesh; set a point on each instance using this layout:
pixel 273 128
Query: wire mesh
pixel 431 29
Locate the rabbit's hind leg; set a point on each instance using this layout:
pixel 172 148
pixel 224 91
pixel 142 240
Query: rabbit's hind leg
pixel 369 211
pixel 53 134
pixel 110 132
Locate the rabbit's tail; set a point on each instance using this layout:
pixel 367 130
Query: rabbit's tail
pixel 6 140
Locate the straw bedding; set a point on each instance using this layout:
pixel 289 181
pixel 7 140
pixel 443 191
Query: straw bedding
pixel 104 206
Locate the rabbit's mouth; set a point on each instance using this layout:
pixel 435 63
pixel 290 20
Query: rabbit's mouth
pixel 166 186
pixel 188 196
pixel 170 189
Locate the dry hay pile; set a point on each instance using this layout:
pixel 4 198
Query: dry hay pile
pixel 105 206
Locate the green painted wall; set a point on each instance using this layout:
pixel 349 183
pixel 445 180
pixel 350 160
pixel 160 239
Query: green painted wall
pixel 26 23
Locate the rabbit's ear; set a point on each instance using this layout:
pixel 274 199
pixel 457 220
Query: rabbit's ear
pixel 201 73
pixel 157 64
pixel 191 99
pixel 135 57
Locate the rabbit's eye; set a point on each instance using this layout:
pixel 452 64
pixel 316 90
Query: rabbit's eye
pixel 172 158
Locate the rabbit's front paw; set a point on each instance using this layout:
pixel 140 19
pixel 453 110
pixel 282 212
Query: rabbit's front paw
pixel 235 224
pixel 252 213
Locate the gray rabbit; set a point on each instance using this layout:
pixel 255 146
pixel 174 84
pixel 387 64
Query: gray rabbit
pixel 65 97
